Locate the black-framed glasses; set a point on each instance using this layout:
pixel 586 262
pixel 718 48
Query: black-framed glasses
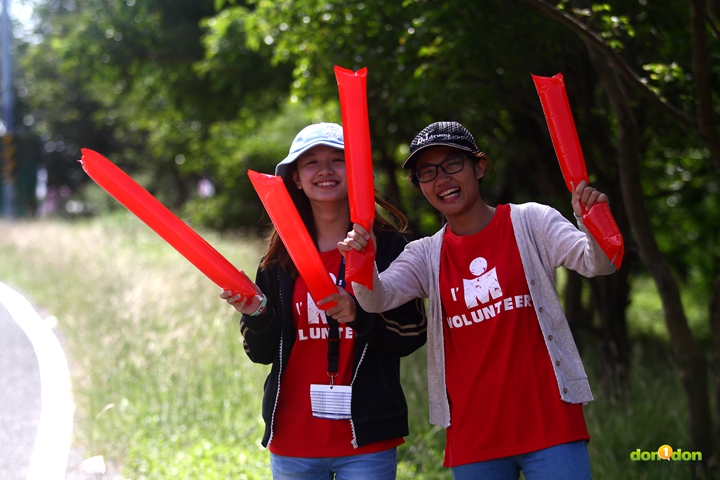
pixel 428 172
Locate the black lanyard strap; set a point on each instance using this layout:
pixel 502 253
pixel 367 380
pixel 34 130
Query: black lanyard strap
pixel 334 332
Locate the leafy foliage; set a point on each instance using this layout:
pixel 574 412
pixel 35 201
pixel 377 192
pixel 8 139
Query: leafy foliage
pixel 132 81
pixel 182 91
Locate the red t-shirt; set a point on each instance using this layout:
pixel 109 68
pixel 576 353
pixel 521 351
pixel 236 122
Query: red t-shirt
pixel 296 433
pixel 504 397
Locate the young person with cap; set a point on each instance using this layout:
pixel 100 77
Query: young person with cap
pixel 354 434
pixel 504 375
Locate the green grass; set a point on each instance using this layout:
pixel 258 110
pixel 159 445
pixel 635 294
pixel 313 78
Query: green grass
pixel 654 415
pixel 163 388
pixel 160 379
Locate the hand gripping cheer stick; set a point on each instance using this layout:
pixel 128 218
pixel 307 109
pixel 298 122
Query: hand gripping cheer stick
pixel 556 107
pixel 166 224
pixel 352 88
pixel 294 235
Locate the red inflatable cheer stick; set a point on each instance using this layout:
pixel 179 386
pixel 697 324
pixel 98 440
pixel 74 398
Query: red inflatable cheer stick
pixel 294 235
pixel 352 87
pixel 556 107
pixel 165 223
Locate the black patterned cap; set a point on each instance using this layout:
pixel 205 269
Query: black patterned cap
pixel 451 134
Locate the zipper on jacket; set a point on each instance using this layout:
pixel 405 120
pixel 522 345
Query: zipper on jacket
pixel 277 395
pixel 352 424
pixel 280 370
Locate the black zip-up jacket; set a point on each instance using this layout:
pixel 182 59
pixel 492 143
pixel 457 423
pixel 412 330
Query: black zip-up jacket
pixel 378 407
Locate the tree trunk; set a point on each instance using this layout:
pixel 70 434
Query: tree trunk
pixel 612 293
pixel 611 297
pixel 579 318
pixel 701 76
pixel 715 325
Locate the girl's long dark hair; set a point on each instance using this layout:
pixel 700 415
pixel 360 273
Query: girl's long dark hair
pixel 275 251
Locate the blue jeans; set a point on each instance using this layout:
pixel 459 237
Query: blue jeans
pixel 375 466
pixel 568 461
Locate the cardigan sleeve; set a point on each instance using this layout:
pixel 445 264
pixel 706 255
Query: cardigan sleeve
pixel 405 279
pixel 569 246
pixel 399 330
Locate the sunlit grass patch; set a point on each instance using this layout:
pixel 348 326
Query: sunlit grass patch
pixel 153 350
pixel 156 459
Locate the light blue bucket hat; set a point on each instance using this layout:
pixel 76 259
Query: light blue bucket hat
pixel 330 134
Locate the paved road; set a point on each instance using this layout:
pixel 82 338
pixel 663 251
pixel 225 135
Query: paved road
pixel 36 409
pixel 36 406
pixel 20 401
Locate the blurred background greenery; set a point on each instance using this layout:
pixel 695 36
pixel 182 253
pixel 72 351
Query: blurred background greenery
pixel 187 95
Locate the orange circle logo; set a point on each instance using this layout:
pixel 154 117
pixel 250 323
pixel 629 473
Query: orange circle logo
pixel 665 452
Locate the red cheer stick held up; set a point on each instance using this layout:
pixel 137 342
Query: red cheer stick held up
pixel 556 107
pixel 166 224
pixel 558 115
pixel 279 206
pixel 352 88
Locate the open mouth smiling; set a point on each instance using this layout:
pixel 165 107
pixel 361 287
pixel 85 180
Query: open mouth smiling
pixel 449 193
pixel 327 183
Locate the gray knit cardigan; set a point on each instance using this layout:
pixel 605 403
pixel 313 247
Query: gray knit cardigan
pixel 546 241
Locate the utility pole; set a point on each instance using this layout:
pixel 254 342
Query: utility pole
pixel 8 109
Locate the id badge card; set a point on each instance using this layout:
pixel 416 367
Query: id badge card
pixel 330 401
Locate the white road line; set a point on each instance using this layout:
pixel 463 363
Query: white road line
pixel 52 444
